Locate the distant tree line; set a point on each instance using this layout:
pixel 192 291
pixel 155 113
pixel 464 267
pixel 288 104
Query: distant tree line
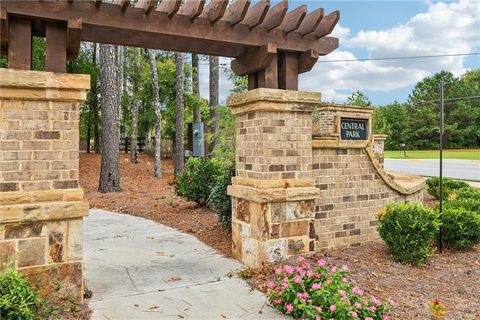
pixel 416 122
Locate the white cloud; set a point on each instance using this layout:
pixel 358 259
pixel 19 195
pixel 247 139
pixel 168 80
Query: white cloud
pixel 445 28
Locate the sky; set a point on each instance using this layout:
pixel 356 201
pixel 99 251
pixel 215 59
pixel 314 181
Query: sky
pixel 373 29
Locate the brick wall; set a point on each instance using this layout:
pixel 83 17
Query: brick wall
pixel 41 204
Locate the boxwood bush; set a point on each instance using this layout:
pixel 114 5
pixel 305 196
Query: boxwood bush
pixel 461 228
pixel 218 200
pixel 409 231
pixel 197 179
pixel 449 185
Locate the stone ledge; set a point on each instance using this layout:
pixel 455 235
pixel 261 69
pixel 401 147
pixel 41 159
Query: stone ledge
pixel 20 197
pixel 346 108
pixel 275 100
pixel 273 184
pixel 43 211
pixel 39 85
pixel 273 195
pixel 336 143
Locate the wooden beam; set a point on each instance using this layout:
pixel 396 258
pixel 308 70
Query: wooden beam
pixel 3 32
pixel 256 15
pixel 170 7
pixel 254 60
pixel 74 36
pixel 192 9
pixel 268 78
pixel 20 44
pixel 307 60
pixel 293 19
pixel 147 5
pixel 157 31
pixel 275 16
pixel 288 71
pixel 311 22
pixel 327 24
pixel 236 12
pixel 215 10
pixel 56 47
pixel 253 81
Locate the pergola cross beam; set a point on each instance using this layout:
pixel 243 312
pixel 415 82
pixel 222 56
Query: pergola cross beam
pixel 237 30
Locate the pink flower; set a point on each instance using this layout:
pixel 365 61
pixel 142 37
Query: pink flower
pixel 354 314
pixel 386 318
pixel 288 269
pixel 333 308
pixel 373 309
pixel 309 273
pixel 345 267
pixel 318 318
pixel 277 301
pixel 289 307
pixel 344 280
pixel 358 305
pixel 321 263
pixel 300 259
pixel 270 284
pixel 328 281
pixel 297 279
pixel 319 309
pixel 333 269
pixel 342 293
pixel 278 271
pixel 316 286
pixel 357 291
pixel 392 303
pixel 368 318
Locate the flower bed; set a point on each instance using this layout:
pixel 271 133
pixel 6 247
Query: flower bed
pixel 320 291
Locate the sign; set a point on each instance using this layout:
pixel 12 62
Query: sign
pixel 354 129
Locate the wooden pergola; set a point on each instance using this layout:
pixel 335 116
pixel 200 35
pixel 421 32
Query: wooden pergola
pixel 270 45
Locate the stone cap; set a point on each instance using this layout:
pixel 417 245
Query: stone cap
pixel 380 137
pixel 274 100
pixel 40 85
pixel 344 107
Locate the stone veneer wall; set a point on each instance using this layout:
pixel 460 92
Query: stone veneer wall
pixel 41 204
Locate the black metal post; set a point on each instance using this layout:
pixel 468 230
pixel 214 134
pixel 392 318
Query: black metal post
pixel 440 197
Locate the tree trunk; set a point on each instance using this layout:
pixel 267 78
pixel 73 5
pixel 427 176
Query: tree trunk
pixel 197 116
pixel 179 114
pixel 135 108
pixel 158 114
pixel 96 120
pixel 110 171
pixel 214 93
pixel 120 78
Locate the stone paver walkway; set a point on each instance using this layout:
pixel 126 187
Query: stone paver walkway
pixel 139 269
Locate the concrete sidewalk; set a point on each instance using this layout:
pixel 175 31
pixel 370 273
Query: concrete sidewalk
pixel 139 269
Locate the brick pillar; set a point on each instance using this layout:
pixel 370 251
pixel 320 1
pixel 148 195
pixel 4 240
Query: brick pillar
pixel 273 192
pixel 41 203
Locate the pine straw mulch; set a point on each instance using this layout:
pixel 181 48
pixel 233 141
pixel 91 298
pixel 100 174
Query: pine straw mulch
pixel 152 198
pixel 452 277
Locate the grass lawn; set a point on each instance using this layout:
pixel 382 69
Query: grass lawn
pixel 470 154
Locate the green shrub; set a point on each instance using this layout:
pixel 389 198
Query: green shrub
pixel 408 230
pixel 449 185
pixel 18 300
pixel 197 179
pixel 466 193
pixel 469 204
pixel 461 228
pixel 219 201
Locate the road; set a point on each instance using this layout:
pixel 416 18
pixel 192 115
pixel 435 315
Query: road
pixel 458 169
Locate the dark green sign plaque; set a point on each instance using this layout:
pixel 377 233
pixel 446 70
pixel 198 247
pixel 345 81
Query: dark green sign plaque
pixel 354 129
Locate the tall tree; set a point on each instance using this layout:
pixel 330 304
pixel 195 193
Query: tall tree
pixel 179 113
pixel 120 73
pixel 135 106
pixel 358 99
pixel 197 115
pixel 214 93
pixel 158 114
pixel 109 172
pixel 94 106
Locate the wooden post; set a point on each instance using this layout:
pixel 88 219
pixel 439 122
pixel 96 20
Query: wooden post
pixel 268 78
pixel 56 47
pixel 288 71
pixel 20 44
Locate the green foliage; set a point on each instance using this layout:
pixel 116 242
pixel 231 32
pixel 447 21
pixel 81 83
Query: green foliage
pixel 197 179
pixel 218 200
pixel 461 228
pixel 408 230
pixel 358 99
pixel 240 83
pixel 319 291
pixel 449 185
pixel 225 149
pixel 18 300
